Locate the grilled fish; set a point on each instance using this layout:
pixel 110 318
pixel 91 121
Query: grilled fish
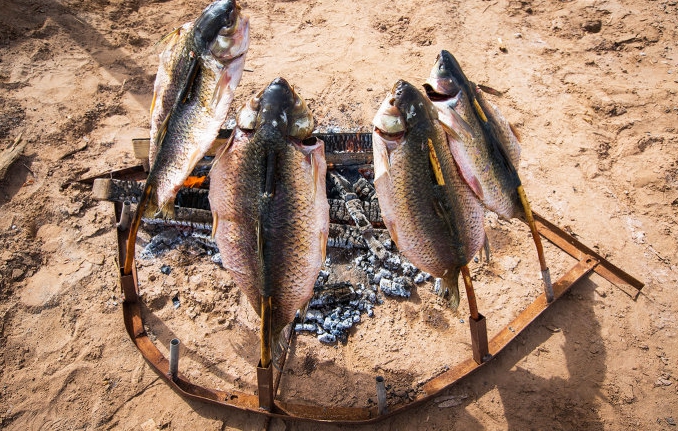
pixel 432 215
pixel 269 205
pixel 481 140
pixel 199 70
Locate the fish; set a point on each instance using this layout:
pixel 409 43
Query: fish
pixel 199 69
pixel 432 215
pixel 269 203
pixel 481 140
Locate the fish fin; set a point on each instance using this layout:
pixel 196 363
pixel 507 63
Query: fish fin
pixel 323 245
pixel 451 118
pixel 170 38
pixel 462 161
pixel 492 130
pixel 496 146
pixel 215 224
pixel 223 88
pixel 490 90
pixel 486 248
pixel 479 111
pixel 160 136
pixel 167 210
pixel 382 161
pixel 221 151
pixel 435 164
pixel 151 206
pixel 450 285
pixel 194 158
pixel 155 96
pixel 187 89
pixel 515 132
pixel 383 182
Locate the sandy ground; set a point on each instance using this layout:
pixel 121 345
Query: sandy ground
pixel 590 85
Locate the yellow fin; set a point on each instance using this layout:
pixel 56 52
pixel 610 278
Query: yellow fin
pixel 323 246
pixel 170 38
pixel 215 224
pixel 515 132
pixel 479 110
pixel 435 164
pixel 155 95
pixel 160 136
pixel 221 151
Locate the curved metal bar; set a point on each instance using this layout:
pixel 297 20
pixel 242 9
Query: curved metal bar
pixel 356 147
pixel 343 415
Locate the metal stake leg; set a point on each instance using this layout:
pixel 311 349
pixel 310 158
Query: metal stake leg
pixel 477 324
pixel 545 273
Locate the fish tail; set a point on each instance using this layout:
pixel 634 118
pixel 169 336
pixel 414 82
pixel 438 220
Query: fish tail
pixel 150 197
pixel 153 209
pixel 486 248
pixel 167 210
pixel 450 285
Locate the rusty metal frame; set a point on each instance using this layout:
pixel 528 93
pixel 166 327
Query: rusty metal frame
pixel 353 149
pixel 587 261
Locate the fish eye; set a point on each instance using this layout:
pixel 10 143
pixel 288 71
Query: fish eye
pixel 392 101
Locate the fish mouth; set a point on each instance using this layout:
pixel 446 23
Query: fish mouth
pixel 232 42
pixel 441 89
pixel 433 95
pixel 389 122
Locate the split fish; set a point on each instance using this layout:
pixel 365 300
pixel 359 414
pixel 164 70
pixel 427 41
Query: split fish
pixel 482 142
pixel 269 204
pixel 430 212
pixel 200 67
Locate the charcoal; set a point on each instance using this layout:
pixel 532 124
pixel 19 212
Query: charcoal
pixel 393 262
pixel 398 287
pixel 327 338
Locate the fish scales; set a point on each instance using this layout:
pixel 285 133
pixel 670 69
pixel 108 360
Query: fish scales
pixel 438 227
pixel 198 72
pixel 489 150
pixel 272 244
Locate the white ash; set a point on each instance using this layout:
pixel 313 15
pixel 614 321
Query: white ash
pixel 164 241
pixel 336 307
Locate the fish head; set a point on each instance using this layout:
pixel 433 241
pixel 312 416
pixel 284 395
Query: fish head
pixel 403 110
pixel 222 29
pixel 279 107
pixel 446 81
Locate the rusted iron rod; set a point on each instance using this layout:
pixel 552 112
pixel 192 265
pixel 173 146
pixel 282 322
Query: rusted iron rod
pixel 545 273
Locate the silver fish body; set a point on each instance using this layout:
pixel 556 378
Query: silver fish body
pixel 269 204
pixel 199 70
pixel 432 215
pixel 481 140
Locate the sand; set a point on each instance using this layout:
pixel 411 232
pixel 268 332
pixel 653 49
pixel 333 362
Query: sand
pixel 591 87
